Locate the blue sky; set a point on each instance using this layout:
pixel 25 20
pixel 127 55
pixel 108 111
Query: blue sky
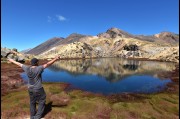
pixel 27 23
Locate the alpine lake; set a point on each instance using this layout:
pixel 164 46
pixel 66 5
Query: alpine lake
pixel 109 75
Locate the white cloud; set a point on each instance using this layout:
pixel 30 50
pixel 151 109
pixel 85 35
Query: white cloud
pixel 52 19
pixel 49 19
pixel 61 18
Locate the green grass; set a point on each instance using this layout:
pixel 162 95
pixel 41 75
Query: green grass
pixel 86 105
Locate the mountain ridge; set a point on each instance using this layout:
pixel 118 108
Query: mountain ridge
pixel 110 33
pixel 112 43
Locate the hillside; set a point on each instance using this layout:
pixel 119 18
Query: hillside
pixel 74 37
pixel 45 46
pixel 26 50
pixel 113 43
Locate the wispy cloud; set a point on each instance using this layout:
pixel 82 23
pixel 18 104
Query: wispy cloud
pixel 53 19
pixel 61 18
pixel 49 19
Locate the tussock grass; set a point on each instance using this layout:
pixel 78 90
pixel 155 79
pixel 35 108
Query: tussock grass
pixel 77 104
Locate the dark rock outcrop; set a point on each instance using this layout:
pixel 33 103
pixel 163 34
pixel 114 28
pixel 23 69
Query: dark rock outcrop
pixel 131 47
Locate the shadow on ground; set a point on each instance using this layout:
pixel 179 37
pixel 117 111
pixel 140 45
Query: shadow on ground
pixel 48 108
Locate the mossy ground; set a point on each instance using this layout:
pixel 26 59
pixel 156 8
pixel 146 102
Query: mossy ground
pixel 85 105
pixel 76 104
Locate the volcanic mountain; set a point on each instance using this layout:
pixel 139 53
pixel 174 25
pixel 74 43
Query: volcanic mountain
pixel 45 46
pixel 112 43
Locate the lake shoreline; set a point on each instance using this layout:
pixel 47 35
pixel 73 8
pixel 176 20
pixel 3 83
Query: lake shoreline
pixel 82 104
pixel 13 80
pixel 130 58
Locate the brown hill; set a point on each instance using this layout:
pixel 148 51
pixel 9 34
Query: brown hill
pixel 74 37
pixel 45 46
pixel 168 37
pixel 55 42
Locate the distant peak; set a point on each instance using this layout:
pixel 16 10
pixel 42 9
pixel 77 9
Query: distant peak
pixel 75 35
pixel 167 32
pixel 113 32
pixel 58 38
pixel 114 29
pixel 164 33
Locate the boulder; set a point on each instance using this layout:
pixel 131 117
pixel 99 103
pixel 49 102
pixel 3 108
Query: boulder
pixel 13 54
pixel 4 54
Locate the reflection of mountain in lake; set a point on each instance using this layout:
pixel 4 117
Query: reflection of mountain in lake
pixel 113 69
pixel 131 65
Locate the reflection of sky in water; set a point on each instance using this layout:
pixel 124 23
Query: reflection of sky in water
pixel 109 75
pixel 99 84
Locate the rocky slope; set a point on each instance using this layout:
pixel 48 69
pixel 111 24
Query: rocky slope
pixel 55 42
pixel 115 43
pixel 168 37
pixel 45 46
pixel 26 50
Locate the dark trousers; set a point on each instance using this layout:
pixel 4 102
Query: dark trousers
pixel 37 96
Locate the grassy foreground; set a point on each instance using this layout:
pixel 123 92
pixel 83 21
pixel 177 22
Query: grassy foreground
pixel 77 104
